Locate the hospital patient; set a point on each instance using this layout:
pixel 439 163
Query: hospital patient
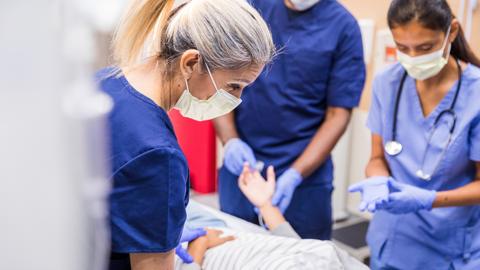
pixel 282 249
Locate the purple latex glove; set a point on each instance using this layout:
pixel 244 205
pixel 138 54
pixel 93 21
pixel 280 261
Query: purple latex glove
pixel 237 152
pixel 286 185
pixel 188 235
pixel 374 192
pixel 406 198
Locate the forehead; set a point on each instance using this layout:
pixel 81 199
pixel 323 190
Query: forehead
pixel 415 33
pixel 246 74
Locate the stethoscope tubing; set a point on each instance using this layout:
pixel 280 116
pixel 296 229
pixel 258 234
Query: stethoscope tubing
pixel 437 119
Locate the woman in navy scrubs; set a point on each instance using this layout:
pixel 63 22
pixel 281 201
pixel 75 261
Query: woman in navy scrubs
pixel 296 111
pixel 204 53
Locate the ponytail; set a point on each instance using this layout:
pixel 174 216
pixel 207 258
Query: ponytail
pixel 136 26
pixel 228 34
pixel 461 50
pixel 435 15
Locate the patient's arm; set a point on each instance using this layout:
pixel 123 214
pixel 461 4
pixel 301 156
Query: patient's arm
pixel 276 222
pixel 271 215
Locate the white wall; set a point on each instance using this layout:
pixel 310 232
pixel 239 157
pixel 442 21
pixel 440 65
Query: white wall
pixel 53 186
pixel 351 157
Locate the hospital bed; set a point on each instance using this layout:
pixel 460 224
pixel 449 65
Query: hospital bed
pixel 232 221
pixel 240 225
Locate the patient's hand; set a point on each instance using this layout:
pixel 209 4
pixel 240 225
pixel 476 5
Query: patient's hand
pixel 258 191
pixel 214 238
pixel 199 246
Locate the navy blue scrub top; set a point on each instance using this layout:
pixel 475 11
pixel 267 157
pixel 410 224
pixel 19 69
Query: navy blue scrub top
pixel 149 172
pixel 320 64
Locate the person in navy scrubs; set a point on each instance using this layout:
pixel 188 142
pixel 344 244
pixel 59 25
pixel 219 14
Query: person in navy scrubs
pixel 204 54
pixel 295 113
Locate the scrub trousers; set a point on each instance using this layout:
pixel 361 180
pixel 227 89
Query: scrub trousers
pixel 309 213
pixel 472 264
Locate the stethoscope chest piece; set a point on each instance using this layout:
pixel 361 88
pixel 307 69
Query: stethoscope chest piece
pixel 422 175
pixel 393 148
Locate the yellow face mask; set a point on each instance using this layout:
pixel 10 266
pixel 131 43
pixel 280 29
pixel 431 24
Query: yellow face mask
pixel 219 104
pixel 426 66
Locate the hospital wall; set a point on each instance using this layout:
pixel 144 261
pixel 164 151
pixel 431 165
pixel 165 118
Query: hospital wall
pixel 352 153
pixel 376 10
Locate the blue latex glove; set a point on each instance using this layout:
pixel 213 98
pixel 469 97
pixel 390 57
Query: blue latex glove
pixel 237 152
pixel 188 235
pixel 286 185
pixel 374 192
pixel 405 198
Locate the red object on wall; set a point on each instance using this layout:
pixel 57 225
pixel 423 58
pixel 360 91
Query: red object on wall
pixel 198 142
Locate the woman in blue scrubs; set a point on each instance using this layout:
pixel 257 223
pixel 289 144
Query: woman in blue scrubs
pixel 204 54
pixel 295 113
pixel 424 172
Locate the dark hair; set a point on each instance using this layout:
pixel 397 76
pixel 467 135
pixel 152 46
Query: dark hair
pixel 434 15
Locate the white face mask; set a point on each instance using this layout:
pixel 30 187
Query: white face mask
pixel 302 5
pixel 219 104
pixel 425 66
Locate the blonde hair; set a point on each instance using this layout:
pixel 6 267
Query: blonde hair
pixel 229 34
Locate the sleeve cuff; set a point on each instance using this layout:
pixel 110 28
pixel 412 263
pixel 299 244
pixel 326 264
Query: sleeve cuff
pixel 345 102
pixel 285 230
pixel 373 127
pixel 475 155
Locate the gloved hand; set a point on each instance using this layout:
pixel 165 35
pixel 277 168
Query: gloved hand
pixel 188 235
pixel 405 198
pixel 237 152
pixel 286 185
pixel 374 191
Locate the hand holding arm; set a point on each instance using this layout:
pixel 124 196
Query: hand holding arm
pixel 236 151
pixel 199 246
pixel 188 236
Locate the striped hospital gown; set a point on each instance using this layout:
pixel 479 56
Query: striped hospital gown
pixel 268 252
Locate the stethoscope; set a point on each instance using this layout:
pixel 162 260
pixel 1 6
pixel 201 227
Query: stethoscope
pixel 394 147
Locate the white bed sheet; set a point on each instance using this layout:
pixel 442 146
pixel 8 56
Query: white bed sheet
pixel 234 222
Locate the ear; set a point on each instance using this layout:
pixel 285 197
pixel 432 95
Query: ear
pixel 454 30
pixel 188 63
